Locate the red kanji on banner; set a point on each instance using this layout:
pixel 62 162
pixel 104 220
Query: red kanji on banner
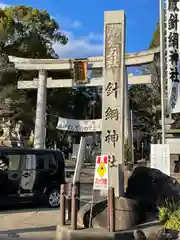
pixel 105 159
pixel 98 160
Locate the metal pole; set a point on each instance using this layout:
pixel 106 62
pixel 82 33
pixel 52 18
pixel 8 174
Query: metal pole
pixel 74 209
pixel 132 136
pixel 142 151
pixel 78 188
pixel 62 205
pixel 94 107
pixel 111 209
pixel 162 69
pixel 91 210
pixel 69 201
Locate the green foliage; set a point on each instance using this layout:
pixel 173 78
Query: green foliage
pixel 156 38
pixel 143 104
pixel 173 222
pixel 169 215
pixel 28 32
pixel 145 99
pixel 164 214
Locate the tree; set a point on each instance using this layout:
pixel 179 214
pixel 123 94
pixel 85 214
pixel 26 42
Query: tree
pixel 145 99
pixel 156 38
pixel 30 33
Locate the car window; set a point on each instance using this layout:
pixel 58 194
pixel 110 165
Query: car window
pixel 59 156
pixel 10 161
pixel 52 162
pixel 40 159
pixel 45 161
pixel 28 161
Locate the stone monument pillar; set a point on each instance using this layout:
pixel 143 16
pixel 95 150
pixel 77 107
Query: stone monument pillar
pixel 113 97
pixel 40 123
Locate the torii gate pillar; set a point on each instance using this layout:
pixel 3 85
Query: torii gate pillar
pixel 40 123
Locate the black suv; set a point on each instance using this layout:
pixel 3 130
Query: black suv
pixel 31 175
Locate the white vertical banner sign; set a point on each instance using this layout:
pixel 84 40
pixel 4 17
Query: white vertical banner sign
pixel 172 55
pixel 79 161
pixel 160 157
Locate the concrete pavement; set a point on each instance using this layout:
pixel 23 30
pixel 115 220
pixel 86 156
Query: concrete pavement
pixel 29 223
pixel 35 222
pixel 87 173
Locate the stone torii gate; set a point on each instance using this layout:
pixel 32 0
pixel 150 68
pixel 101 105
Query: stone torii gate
pixel 114 82
pixel 43 82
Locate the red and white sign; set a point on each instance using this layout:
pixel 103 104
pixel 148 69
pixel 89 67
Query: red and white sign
pixel 101 173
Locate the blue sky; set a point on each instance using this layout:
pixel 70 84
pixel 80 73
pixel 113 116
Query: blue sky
pixel 82 21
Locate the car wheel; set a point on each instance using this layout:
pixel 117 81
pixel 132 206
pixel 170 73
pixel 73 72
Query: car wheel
pixel 54 198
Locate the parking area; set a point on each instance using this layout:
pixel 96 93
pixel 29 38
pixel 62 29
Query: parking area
pixel 28 221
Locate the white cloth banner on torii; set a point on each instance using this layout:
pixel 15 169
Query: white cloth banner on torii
pixel 75 125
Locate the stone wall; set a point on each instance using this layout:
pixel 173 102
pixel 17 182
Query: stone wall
pixel 174 157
